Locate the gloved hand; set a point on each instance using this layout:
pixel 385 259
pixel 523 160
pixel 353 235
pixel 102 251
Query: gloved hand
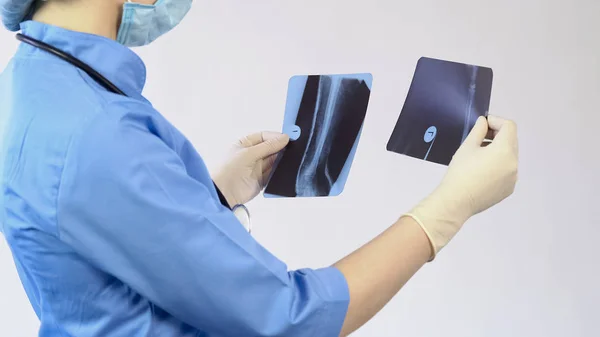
pixel 245 174
pixel 478 177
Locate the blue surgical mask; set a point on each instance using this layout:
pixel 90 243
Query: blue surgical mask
pixel 142 24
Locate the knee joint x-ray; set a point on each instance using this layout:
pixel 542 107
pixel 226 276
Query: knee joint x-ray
pixel 324 118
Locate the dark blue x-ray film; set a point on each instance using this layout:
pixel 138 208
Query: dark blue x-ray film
pixel 324 117
pixel 443 103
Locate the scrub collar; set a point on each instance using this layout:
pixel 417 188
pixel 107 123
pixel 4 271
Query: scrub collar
pixel 117 63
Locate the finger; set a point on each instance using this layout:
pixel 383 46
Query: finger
pixel 267 171
pixel 489 137
pixel 269 162
pixel 265 178
pixel 257 138
pixel 505 131
pixel 477 133
pixel 270 146
pixel 267 167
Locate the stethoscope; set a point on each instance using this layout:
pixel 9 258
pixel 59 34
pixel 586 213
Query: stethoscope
pixel 240 211
pixel 72 60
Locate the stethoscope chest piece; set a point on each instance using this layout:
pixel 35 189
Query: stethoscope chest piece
pixel 243 215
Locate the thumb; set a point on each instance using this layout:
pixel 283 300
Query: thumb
pixel 272 144
pixel 478 133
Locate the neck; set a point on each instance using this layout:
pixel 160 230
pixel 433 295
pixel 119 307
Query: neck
pixel 98 17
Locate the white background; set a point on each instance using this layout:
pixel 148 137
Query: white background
pixel 528 267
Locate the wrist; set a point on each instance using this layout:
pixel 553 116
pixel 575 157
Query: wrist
pixel 223 191
pixel 447 205
pixel 441 216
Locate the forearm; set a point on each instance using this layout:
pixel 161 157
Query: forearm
pixel 379 269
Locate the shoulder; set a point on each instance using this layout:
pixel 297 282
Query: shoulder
pixel 119 164
pixel 115 153
pixel 120 132
pixel 125 144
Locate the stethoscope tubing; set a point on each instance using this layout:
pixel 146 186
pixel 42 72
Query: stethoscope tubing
pixel 72 60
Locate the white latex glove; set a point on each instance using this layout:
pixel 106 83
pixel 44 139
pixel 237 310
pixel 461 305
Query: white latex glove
pixel 245 174
pixel 478 177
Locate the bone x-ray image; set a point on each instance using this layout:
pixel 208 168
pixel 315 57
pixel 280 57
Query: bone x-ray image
pixel 324 118
pixel 443 103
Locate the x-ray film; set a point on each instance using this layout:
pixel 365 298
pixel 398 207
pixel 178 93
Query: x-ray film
pixel 324 116
pixel 443 103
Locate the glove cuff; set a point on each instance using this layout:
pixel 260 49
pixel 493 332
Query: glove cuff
pixel 434 249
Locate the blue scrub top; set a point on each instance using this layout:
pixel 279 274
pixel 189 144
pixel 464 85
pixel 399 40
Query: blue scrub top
pixel 113 220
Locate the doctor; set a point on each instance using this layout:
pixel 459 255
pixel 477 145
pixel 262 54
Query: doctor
pixel 118 229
